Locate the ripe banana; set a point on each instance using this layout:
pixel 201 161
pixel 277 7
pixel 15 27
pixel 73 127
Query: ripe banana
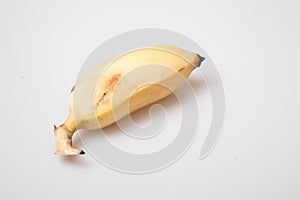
pixel 118 87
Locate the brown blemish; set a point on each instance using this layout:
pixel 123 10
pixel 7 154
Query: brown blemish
pixel 100 100
pixel 114 79
pixel 73 88
pixel 181 69
pixel 109 86
pixel 64 127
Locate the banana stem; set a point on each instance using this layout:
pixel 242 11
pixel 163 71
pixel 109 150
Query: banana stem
pixel 63 138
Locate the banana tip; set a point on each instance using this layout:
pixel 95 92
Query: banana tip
pixel 201 58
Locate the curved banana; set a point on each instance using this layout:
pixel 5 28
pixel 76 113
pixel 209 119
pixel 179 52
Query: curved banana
pixel 116 88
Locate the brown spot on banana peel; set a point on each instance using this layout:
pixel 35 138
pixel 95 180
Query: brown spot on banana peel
pixel 65 127
pixel 181 69
pixel 109 87
pixel 73 88
pixel 113 80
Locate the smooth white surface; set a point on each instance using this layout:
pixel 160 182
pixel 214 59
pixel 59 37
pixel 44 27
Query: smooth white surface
pixel 255 46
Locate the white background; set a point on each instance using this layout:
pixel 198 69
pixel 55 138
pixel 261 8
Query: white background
pixel 255 46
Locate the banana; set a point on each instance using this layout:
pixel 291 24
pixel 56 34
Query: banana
pixel 123 85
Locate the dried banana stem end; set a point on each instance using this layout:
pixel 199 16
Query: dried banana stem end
pixel 63 141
